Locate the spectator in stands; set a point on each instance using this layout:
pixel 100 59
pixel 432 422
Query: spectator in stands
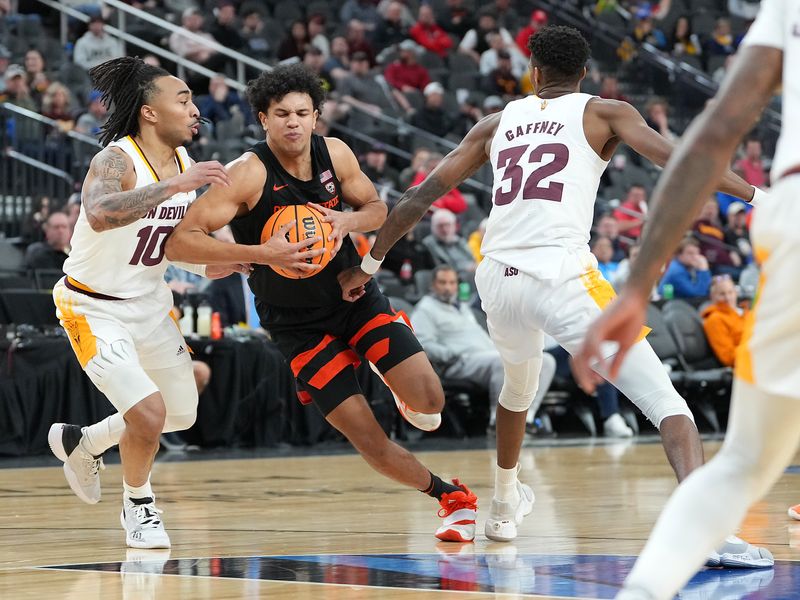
pixel 296 41
pixel 631 213
pixel 90 122
pixel 432 117
pixel 469 113
pixel 408 250
pixel 221 102
pixel 457 345
pixel 405 12
pixel 624 269
pixel 537 21
pixel 192 21
pixel 475 240
pixel 338 63
pixel 224 27
pixel 446 246
pixel 751 165
pixel 645 32
pixel 378 170
pixel 723 320
pixel 53 251
pixel 492 104
pixel 490 58
pixel 455 18
pixel 688 272
pixel 358 41
pixel 363 11
pixel 37 77
pixel 506 15
pixel 361 90
pixel 406 75
pixel 603 251
pixel 391 30
pixel 721 42
pixel 57 105
pixel 708 231
pixel 657 117
pixel 95 46
pixel 608 227
pixel 17 91
pixel 314 59
pixel 501 81
pixel 428 34
pixel 32 227
pixel 453 200
pixel 683 42
pixel 737 233
pixel 316 33
pixel 609 89
pixel 257 45
pixel 418 159
pixel 476 41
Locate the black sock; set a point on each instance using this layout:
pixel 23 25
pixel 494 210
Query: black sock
pixel 438 488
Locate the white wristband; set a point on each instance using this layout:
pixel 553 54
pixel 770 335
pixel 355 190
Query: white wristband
pixel 759 196
pixel 192 268
pixel 369 264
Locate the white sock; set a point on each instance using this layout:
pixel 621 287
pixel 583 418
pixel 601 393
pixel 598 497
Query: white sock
pixel 101 436
pixel 143 491
pixel 505 485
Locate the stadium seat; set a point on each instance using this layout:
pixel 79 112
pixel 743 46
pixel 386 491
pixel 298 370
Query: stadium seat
pixel 30 307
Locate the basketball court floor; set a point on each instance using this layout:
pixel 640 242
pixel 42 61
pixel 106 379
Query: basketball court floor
pixel 327 527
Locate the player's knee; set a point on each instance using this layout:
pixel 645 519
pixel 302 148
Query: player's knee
pixel 433 395
pixel 179 422
pixel 146 419
pixel 202 375
pixel 520 385
pixel 662 404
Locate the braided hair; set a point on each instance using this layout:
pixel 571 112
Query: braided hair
pixel 125 84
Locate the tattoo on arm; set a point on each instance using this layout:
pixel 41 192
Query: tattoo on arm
pixel 107 205
pixel 411 207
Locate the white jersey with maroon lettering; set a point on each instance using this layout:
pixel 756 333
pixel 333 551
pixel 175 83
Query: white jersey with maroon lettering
pixel 545 183
pixel 128 262
pixel 778 26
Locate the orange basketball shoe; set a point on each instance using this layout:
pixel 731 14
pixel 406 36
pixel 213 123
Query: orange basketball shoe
pixel 458 511
pixel 794 512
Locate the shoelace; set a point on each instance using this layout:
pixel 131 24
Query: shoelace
pixel 462 500
pixel 147 515
pixel 93 465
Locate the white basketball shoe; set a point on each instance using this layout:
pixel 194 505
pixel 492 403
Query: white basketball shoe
pixel 80 467
pixel 505 517
pixel 142 524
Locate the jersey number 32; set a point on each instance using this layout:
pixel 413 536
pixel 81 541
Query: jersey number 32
pixel 554 158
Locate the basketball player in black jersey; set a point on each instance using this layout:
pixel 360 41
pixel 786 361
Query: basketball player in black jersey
pixel 322 336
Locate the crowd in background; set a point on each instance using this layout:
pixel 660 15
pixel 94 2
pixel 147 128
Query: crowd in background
pixel 438 66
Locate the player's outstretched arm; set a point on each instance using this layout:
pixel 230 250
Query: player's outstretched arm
pixel 191 241
pixel 454 168
pixel 690 176
pixel 111 199
pixel 628 125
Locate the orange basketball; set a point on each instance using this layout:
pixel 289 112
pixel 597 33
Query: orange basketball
pixel 308 224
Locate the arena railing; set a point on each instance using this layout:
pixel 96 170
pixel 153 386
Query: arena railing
pixel 124 10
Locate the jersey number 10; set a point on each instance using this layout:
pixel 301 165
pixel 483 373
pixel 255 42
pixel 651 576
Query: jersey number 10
pixel 150 249
pixel 508 160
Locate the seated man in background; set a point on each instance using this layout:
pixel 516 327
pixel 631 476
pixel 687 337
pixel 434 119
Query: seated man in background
pixel 51 253
pixel 457 344
pixel 445 244
pixel 687 273
pixel 723 320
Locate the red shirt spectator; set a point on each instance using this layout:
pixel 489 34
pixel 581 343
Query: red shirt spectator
pixel 751 167
pixel 428 34
pixel 538 20
pixel 632 211
pixel 406 73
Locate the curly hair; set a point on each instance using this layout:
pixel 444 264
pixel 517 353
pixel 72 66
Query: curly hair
pixel 560 51
pixel 272 86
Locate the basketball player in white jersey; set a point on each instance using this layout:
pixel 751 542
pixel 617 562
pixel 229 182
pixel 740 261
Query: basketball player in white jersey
pixel 548 151
pixel 114 303
pixel 764 425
